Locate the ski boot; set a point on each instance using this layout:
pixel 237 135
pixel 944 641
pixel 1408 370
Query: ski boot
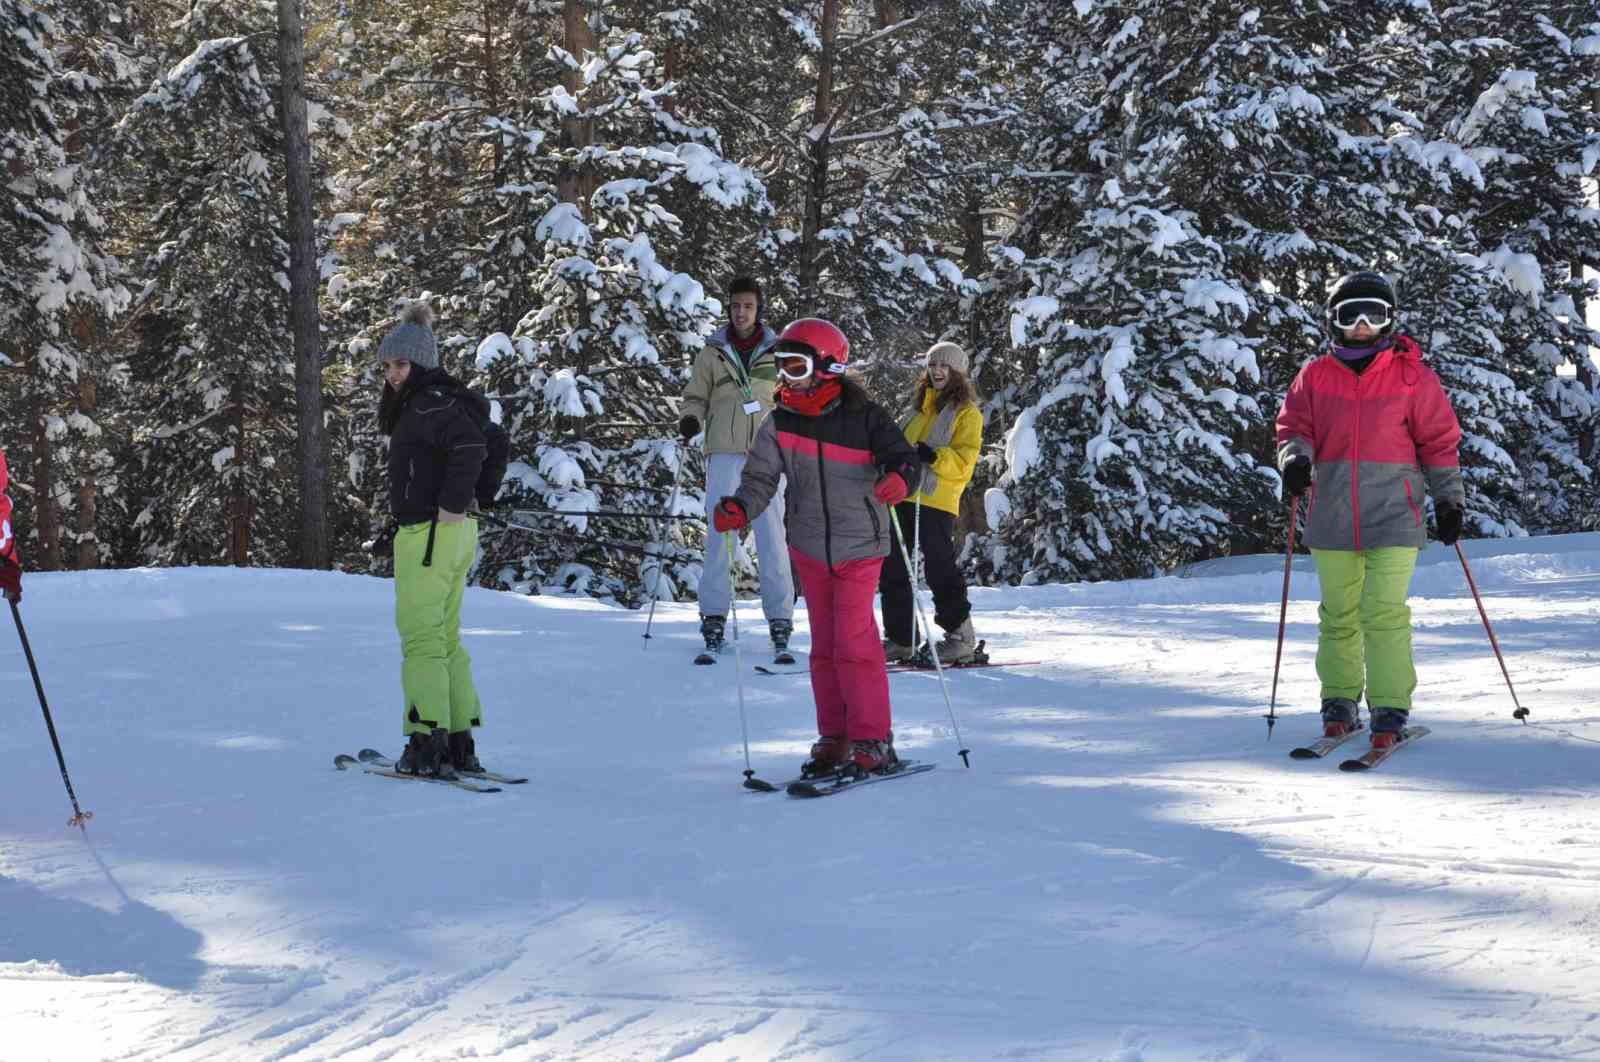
pixel 427 755
pixel 895 653
pixel 828 755
pixel 873 757
pixel 464 753
pixel 780 630
pixel 959 646
pixel 1340 716
pixel 1388 727
pixel 711 628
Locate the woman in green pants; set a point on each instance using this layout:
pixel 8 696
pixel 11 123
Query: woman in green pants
pixel 1374 424
pixel 438 449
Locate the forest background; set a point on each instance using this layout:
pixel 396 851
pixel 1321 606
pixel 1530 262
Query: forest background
pixel 1128 213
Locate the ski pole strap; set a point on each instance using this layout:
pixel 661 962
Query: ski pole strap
pixel 427 554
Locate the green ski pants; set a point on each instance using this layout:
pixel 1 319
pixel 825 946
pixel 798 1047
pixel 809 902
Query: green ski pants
pixel 436 671
pixel 1365 625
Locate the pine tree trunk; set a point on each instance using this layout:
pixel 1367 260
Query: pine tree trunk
pixel 304 321
pixel 88 495
pixel 239 502
pixel 817 179
pixel 46 520
pixel 1587 373
pixel 573 184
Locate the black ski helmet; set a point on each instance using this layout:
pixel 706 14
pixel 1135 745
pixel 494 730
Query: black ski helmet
pixel 1361 285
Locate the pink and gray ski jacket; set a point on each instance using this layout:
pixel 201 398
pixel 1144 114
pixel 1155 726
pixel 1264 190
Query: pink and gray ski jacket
pixel 831 463
pixel 1373 439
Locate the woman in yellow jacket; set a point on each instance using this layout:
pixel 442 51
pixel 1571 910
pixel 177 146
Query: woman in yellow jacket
pixel 947 431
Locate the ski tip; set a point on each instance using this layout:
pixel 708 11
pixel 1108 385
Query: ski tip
pixel 705 658
pixel 1303 754
pixel 759 786
pixel 804 789
pixel 368 755
pixel 1354 765
pixel 344 763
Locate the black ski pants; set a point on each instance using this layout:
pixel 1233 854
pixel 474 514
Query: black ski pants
pixel 950 606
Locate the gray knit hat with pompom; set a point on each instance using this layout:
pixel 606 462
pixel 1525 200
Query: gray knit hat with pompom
pixel 412 339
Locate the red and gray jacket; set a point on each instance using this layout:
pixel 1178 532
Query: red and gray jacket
pixel 8 540
pixel 1373 438
pixel 831 461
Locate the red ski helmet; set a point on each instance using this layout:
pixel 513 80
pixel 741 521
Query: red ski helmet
pixel 819 340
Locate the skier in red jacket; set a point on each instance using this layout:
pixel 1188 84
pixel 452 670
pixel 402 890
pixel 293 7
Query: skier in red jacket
pixel 1373 424
pixel 10 562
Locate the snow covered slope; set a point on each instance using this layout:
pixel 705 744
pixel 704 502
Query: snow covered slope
pixel 1129 871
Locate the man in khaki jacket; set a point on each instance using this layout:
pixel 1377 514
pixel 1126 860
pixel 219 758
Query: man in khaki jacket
pixel 729 395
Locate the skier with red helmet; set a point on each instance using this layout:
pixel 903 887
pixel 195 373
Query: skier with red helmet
pixel 847 464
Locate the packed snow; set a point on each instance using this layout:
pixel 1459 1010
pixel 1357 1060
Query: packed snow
pixel 1130 870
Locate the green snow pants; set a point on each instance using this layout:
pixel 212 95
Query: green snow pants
pixel 436 671
pixel 1365 625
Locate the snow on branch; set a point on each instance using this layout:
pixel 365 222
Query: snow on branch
pixel 887 31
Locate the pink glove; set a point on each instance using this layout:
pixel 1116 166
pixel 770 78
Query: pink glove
pixel 891 490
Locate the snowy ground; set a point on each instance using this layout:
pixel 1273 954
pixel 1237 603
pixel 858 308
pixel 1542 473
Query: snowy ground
pixel 1129 871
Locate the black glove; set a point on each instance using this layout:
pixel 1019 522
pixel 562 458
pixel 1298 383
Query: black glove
pixel 382 544
pixel 688 426
pixel 1449 516
pixel 1297 476
pixel 10 580
pixel 926 454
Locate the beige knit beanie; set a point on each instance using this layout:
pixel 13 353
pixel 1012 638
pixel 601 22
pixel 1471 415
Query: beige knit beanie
pixel 947 354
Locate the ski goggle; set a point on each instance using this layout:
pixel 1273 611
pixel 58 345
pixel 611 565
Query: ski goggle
pixel 1351 312
pixel 795 366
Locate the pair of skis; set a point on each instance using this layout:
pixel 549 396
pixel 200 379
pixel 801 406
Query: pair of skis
pixel 1365 762
pixel 810 786
pixel 374 762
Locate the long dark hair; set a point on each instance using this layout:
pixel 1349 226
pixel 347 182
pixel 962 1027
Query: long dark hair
pixel 393 402
pixel 957 392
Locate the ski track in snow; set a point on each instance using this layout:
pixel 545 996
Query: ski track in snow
pixel 1129 871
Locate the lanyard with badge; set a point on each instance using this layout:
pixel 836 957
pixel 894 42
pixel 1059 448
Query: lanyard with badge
pixel 752 405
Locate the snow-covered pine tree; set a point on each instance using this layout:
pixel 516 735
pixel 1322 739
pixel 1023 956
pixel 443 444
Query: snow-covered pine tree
pixel 560 290
pixel 1518 97
pixel 851 112
pixel 1292 139
pixel 213 370
pixel 58 282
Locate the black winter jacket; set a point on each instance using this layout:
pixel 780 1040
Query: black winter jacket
pixel 437 445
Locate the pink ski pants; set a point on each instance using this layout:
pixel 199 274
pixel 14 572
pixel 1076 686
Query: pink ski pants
pixel 848 681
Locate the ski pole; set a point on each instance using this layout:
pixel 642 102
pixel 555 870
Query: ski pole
pixel 613 514
pixel 729 545
pixel 79 816
pixel 571 536
pixel 655 584
pixel 1521 712
pixel 1283 614
pixel 938 666
pixel 916 555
